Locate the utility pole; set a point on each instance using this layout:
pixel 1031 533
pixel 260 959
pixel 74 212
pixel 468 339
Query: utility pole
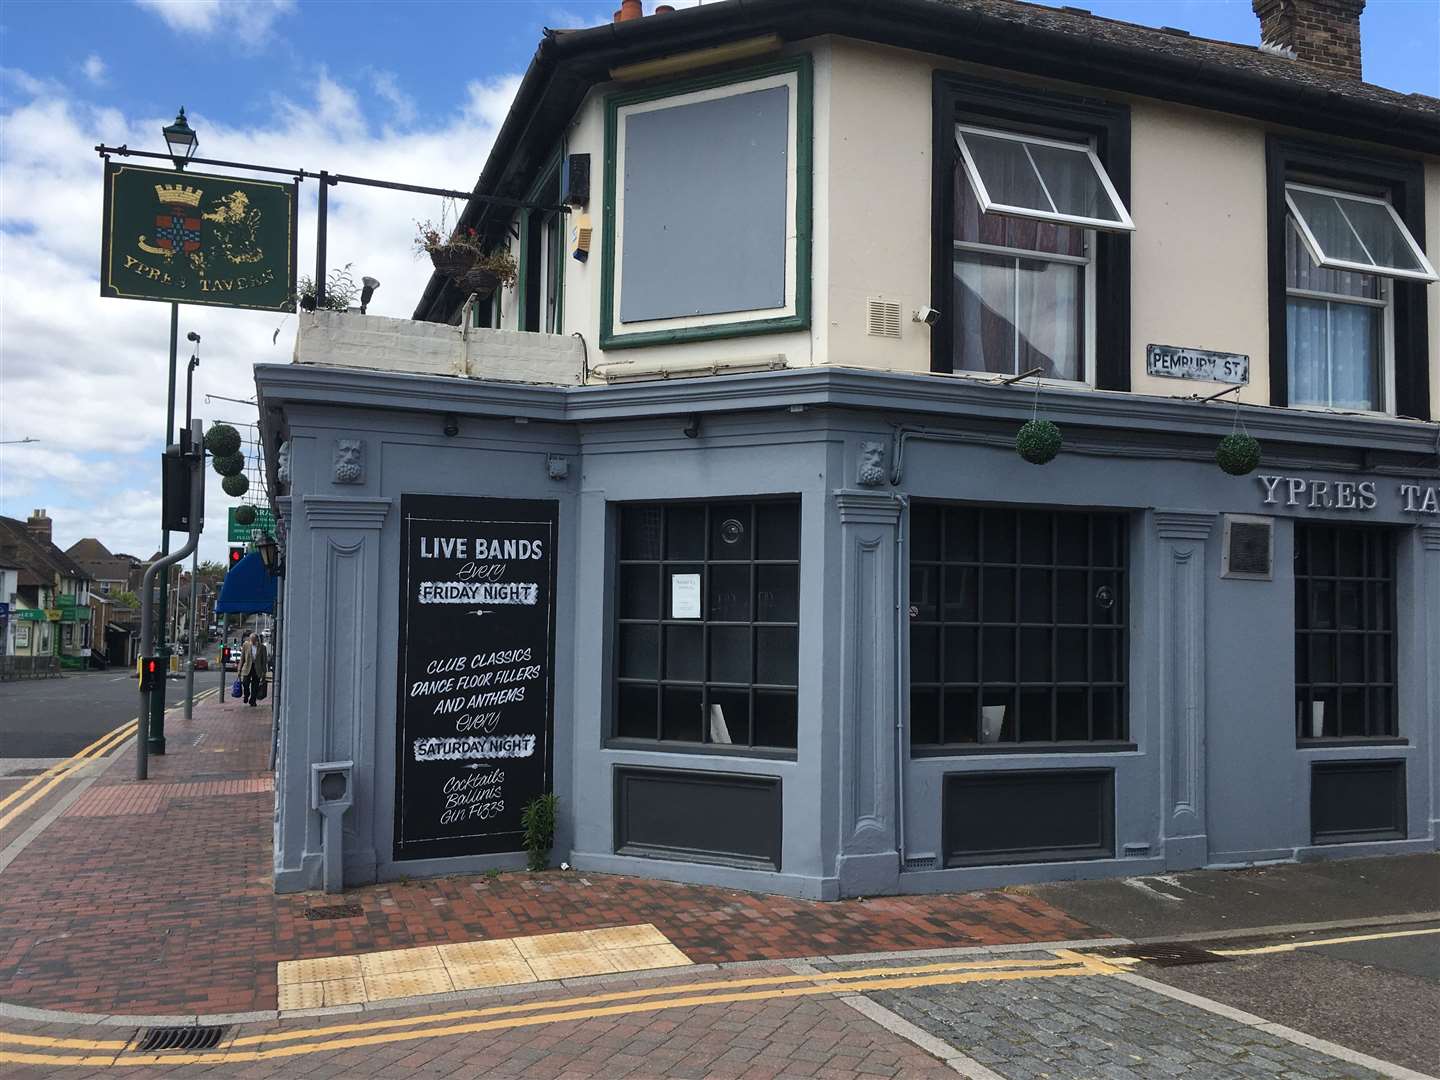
pixel 162 647
pixel 195 557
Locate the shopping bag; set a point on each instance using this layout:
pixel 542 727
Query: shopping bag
pixel 262 689
pixel 236 689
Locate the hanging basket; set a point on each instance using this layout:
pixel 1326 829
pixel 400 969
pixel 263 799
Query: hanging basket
pixel 1238 453
pixel 245 515
pixel 222 439
pixel 235 486
pixel 1038 442
pixel 229 464
pixel 476 280
pixel 453 260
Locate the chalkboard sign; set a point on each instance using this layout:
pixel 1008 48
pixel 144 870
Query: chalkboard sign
pixel 474 726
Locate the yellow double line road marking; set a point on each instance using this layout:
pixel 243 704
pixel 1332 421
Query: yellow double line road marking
pixel 32 791
pixel 36 787
pixel 1291 946
pixel 561 1010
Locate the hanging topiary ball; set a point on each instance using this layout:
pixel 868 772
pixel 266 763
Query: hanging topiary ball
pixel 222 439
pixel 229 464
pixel 245 515
pixel 1038 441
pixel 1238 453
pixel 235 486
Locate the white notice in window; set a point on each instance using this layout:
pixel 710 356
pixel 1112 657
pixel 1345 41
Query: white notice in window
pixel 685 596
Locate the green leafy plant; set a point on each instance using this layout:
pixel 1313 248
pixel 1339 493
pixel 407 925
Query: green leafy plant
pixel 245 515
pixel 222 439
pixel 229 464
pixel 235 486
pixel 1238 453
pixel 1038 441
pixel 340 291
pixel 538 821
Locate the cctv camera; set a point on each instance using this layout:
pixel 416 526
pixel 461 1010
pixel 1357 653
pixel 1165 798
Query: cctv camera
pixel 192 336
pixel 928 315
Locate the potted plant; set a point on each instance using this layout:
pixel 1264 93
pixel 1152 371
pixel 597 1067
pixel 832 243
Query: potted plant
pixel 340 291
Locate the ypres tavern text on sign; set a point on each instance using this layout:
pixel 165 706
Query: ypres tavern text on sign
pixel 1296 492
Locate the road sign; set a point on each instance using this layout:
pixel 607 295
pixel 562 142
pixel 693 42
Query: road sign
pixel 191 238
pixel 242 534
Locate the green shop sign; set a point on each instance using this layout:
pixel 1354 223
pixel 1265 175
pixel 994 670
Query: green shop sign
pixel 31 614
pixel 190 238
pixel 242 534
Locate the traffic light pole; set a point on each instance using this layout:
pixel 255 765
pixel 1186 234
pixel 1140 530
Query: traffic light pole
pixel 162 650
pixel 147 598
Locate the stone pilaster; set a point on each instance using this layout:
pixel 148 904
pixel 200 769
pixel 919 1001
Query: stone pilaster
pixel 869 861
pixel 1181 539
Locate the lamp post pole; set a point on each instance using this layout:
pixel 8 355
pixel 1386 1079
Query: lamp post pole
pixel 181 141
pixel 162 648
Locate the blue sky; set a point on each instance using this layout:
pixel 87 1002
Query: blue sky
pixel 411 91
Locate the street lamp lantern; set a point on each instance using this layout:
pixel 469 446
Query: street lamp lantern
pixel 181 139
pixel 269 553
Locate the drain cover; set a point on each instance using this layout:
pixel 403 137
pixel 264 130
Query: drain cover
pixel 1166 953
pixel 180 1038
pixel 334 911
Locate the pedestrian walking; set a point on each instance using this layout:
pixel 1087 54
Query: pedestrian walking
pixel 254 667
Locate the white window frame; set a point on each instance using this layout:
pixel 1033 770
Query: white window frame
pixel 1426 271
pixel 990 206
pixel 790 79
pixel 1384 301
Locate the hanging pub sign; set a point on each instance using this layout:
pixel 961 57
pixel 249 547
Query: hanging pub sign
pixel 474 720
pixel 189 238
pixel 1176 362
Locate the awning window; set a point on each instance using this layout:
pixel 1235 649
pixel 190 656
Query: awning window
pixel 1345 231
pixel 1027 176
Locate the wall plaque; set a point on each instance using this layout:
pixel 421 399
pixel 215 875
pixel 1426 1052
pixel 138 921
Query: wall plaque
pixel 1177 362
pixel 474 722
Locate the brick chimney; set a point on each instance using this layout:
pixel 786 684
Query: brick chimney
pixel 1325 33
pixel 39 525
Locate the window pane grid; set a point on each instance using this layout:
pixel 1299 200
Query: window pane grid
pixel 727 676
pixel 1002 655
pixel 1344 633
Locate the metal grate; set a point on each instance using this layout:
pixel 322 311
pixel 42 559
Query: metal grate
pixel 334 911
pixel 882 317
pixel 180 1038
pixel 1166 954
pixel 922 862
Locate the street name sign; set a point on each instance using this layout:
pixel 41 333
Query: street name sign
pixel 1177 362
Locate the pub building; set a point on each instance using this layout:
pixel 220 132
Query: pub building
pixel 736 518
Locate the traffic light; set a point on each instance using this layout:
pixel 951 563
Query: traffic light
pixel 150 673
pixel 236 554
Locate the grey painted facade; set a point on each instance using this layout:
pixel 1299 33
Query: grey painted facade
pixel 1211 773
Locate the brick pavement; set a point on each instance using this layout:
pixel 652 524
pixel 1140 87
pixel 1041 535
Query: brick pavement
pixel 170 909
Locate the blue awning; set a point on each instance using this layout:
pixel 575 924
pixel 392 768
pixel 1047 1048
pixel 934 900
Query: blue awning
pixel 247 588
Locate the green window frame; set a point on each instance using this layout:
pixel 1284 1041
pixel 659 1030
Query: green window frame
pixel 799 319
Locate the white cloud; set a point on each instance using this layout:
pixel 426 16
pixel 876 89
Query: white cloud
pixel 87 375
pixel 94 69
pixel 248 20
pixel 402 106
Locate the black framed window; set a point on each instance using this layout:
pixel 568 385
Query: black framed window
pixel 1028 292
pixel 1344 632
pixel 707 624
pixel 1017 627
pixel 1340 337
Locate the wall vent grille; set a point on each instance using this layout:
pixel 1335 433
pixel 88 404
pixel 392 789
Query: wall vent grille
pixel 922 862
pixel 882 317
pixel 1249 552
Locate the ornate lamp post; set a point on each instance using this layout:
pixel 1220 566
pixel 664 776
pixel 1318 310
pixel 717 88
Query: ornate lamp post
pixel 181 140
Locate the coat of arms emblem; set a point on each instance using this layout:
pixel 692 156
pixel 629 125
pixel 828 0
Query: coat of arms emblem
pixel 177 224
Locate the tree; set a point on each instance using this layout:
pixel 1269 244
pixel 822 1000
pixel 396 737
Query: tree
pixel 124 599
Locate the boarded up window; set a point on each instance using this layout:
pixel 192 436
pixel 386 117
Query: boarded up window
pixel 704 220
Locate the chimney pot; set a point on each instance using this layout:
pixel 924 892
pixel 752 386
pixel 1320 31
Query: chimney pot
pixel 664 9
pixel 38 525
pixel 631 9
pixel 1325 33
